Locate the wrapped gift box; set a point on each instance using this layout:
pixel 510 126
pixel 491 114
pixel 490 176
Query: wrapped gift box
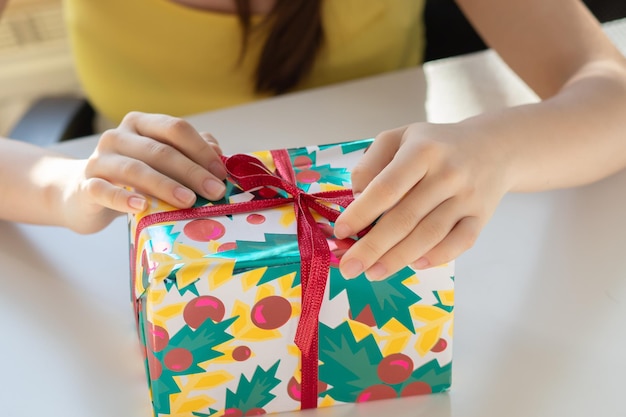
pixel 241 308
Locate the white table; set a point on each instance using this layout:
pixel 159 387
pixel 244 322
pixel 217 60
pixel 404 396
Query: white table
pixel 540 299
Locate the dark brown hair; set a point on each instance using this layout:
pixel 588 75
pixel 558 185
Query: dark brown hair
pixel 295 37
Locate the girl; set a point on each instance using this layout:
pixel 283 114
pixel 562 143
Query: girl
pixel 435 186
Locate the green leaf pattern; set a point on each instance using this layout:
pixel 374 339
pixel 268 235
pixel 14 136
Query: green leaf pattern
pixel 251 300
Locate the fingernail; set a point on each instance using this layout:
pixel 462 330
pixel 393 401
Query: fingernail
pixel 355 194
pixel 376 272
pixel 214 188
pixel 137 203
pixel 352 268
pixel 184 195
pixel 421 263
pixel 342 231
pixel 218 169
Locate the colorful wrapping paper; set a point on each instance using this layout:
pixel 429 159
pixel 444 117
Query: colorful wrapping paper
pixel 227 299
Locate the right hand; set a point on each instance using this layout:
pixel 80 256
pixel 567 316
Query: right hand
pixel 430 188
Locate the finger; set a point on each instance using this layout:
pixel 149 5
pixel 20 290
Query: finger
pixel 160 157
pixel 405 170
pixel 461 238
pixel 377 157
pixel 429 232
pixel 115 198
pixel 179 134
pixel 126 171
pixel 209 137
pixel 212 142
pixel 394 226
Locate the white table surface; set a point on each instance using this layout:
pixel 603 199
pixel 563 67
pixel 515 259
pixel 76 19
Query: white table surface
pixel 540 299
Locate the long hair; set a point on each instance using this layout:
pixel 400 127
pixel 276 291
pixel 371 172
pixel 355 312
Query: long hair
pixel 294 39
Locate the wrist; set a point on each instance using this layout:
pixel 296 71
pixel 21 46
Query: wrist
pixel 494 151
pixel 56 178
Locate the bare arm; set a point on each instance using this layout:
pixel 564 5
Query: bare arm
pixel 154 154
pixel 559 49
pixel 438 185
pixel 28 182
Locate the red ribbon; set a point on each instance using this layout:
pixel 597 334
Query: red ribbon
pixel 315 254
pixel 250 173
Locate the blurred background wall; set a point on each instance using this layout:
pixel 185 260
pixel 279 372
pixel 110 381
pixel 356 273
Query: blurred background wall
pixel 34 56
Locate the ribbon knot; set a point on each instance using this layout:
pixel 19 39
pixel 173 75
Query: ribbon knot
pixel 250 173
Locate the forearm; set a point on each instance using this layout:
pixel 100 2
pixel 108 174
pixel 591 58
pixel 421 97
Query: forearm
pixel 32 183
pixel 575 137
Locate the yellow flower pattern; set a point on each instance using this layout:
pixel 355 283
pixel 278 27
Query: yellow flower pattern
pixel 218 311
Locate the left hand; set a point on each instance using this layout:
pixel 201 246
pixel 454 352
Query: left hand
pixel 152 154
pixel 433 186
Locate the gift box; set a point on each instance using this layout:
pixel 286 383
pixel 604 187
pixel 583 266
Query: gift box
pixel 241 308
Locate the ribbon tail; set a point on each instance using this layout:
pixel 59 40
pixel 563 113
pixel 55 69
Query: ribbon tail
pixel 315 256
pixel 310 376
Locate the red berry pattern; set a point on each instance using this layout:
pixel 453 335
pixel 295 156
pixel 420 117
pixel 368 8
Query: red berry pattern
pixel 255 218
pixel 271 312
pixel 294 388
pixel 416 388
pixel 157 337
pixel 302 162
pixel 440 346
pixel 395 368
pixel 241 353
pixel 178 359
pixel 201 308
pixel 308 176
pixel 154 366
pixel 204 230
pixel 365 316
pixel 376 392
pixel 227 246
pixel 233 412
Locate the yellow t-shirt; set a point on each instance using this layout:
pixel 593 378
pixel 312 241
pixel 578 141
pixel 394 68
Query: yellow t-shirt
pixel 161 57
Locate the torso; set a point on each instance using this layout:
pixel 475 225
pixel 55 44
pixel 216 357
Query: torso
pixel 183 57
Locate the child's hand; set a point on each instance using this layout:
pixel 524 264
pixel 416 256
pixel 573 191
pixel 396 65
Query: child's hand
pixel 154 154
pixel 435 187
